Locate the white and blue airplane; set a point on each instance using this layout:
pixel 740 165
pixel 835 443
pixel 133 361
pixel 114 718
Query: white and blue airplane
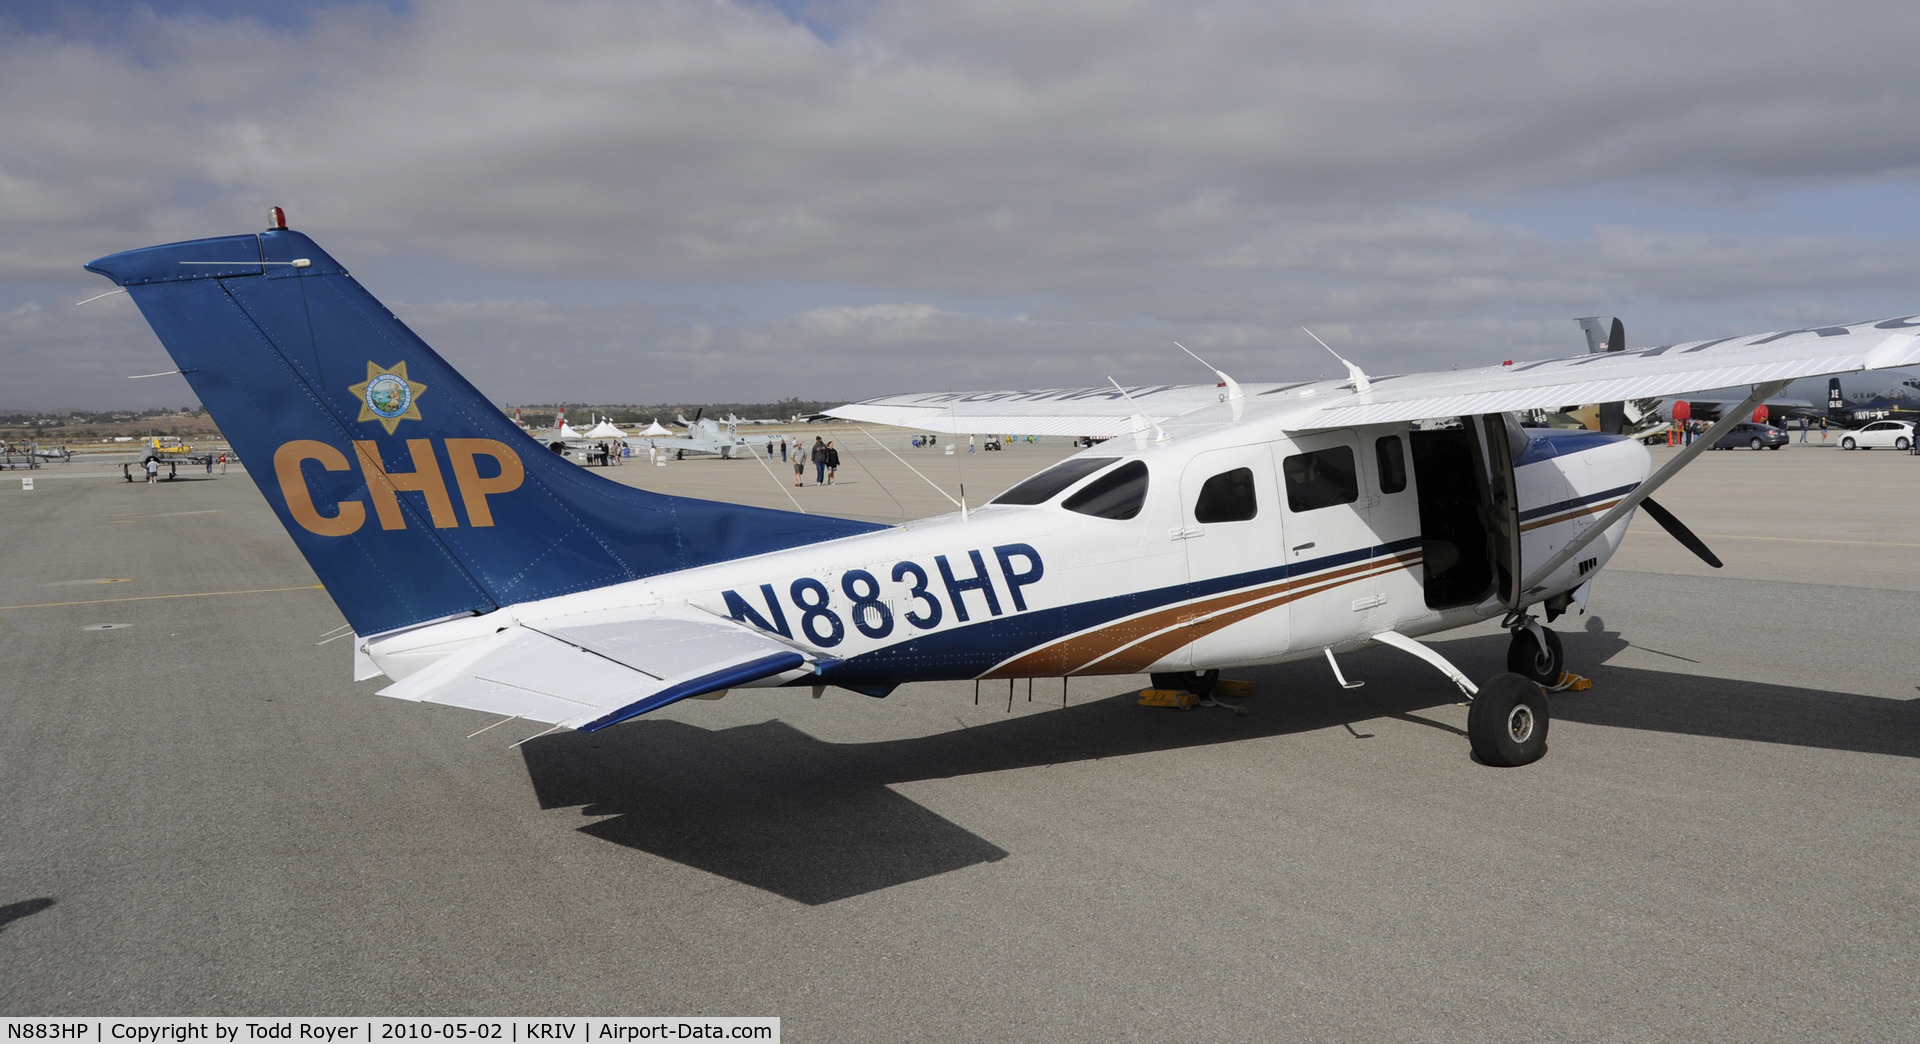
pixel 1220 525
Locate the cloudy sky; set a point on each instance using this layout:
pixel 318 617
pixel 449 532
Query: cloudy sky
pixel 700 200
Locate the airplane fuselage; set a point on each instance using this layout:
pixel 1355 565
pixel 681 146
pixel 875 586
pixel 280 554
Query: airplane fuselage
pixel 1245 547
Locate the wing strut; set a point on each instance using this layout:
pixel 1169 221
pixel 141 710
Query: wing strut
pixel 1759 394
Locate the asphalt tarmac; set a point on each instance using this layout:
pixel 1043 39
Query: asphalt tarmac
pixel 200 813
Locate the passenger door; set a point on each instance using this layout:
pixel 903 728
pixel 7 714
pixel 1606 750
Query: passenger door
pixel 1329 543
pixel 1394 593
pixel 1230 524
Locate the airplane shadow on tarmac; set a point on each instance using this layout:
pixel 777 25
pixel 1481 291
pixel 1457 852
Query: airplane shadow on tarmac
pixel 769 806
pixel 14 911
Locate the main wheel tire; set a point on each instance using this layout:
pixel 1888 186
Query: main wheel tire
pixel 1846 444
pixel 1507 722
pixel 1525 659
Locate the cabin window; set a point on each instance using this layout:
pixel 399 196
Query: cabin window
pixel 1393 464
pixel 1227 497
pixel 1321 479
pixel 1046 485
pixel 1118 494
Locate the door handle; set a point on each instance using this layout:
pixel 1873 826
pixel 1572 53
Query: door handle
pixel 1302 547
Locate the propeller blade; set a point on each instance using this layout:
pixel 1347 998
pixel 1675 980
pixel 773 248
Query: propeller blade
pixel 1680 532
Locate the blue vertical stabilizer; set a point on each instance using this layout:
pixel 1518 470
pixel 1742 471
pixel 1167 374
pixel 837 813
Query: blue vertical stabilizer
pixel 412 497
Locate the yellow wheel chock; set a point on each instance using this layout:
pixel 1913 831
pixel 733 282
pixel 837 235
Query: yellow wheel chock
pixel 1168 698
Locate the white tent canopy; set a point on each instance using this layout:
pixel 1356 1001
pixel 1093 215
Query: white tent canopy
pixel 605 430
pixel 656 429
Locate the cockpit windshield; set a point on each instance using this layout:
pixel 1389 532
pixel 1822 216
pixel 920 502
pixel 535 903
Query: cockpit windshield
pixel 1118 494
pixel 1045 486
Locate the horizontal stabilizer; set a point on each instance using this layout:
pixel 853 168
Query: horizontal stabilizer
pixel 595 670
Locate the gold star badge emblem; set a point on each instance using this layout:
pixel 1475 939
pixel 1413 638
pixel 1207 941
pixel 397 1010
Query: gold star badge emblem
pixel 388 396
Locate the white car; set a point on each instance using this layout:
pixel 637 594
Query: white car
pixel 1879 435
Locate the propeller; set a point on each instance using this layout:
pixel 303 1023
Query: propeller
pixel 1613 415
pixel 1680 532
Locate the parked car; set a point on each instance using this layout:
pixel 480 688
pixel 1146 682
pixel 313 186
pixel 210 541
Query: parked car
pixel 1886 434
pixel 1753 436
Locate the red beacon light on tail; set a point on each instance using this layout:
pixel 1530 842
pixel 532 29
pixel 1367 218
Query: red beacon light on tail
pixel 277 220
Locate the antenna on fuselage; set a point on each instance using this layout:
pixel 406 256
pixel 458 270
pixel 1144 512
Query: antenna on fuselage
pixel 1159 433
pixel 1360 381
pixel 1232 386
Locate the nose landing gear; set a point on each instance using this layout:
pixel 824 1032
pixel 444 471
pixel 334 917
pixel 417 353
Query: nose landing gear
pixel 1534 653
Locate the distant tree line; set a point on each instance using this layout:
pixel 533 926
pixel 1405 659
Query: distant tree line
pixel 62 418
pixel 578 413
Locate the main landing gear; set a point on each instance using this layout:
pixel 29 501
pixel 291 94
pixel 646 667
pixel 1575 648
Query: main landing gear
pixel 1507 721
pixel 1507 718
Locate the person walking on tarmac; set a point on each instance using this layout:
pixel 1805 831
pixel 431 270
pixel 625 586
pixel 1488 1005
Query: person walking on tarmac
pixel 833 462
pixel 818 454
pixel 153 471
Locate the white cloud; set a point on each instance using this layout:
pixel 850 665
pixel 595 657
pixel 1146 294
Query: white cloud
pixel 1223 170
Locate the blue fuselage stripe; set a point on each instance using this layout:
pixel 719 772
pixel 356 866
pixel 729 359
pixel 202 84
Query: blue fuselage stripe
pixel 739 674
pixel 976 648
pixel 1567 505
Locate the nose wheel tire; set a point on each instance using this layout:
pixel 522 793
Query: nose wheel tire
pixel 1525 659
pixel 1507 721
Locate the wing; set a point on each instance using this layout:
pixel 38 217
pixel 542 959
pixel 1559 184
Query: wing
pixel 1050 411
pixel 597 670
pixel 1669 369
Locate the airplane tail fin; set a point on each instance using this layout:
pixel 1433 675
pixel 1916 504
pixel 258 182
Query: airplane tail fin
pixel 1613 415
pixel 1836 400
pixel 412 497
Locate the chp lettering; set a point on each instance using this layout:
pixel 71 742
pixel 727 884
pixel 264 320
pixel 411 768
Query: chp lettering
pixel 384 484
